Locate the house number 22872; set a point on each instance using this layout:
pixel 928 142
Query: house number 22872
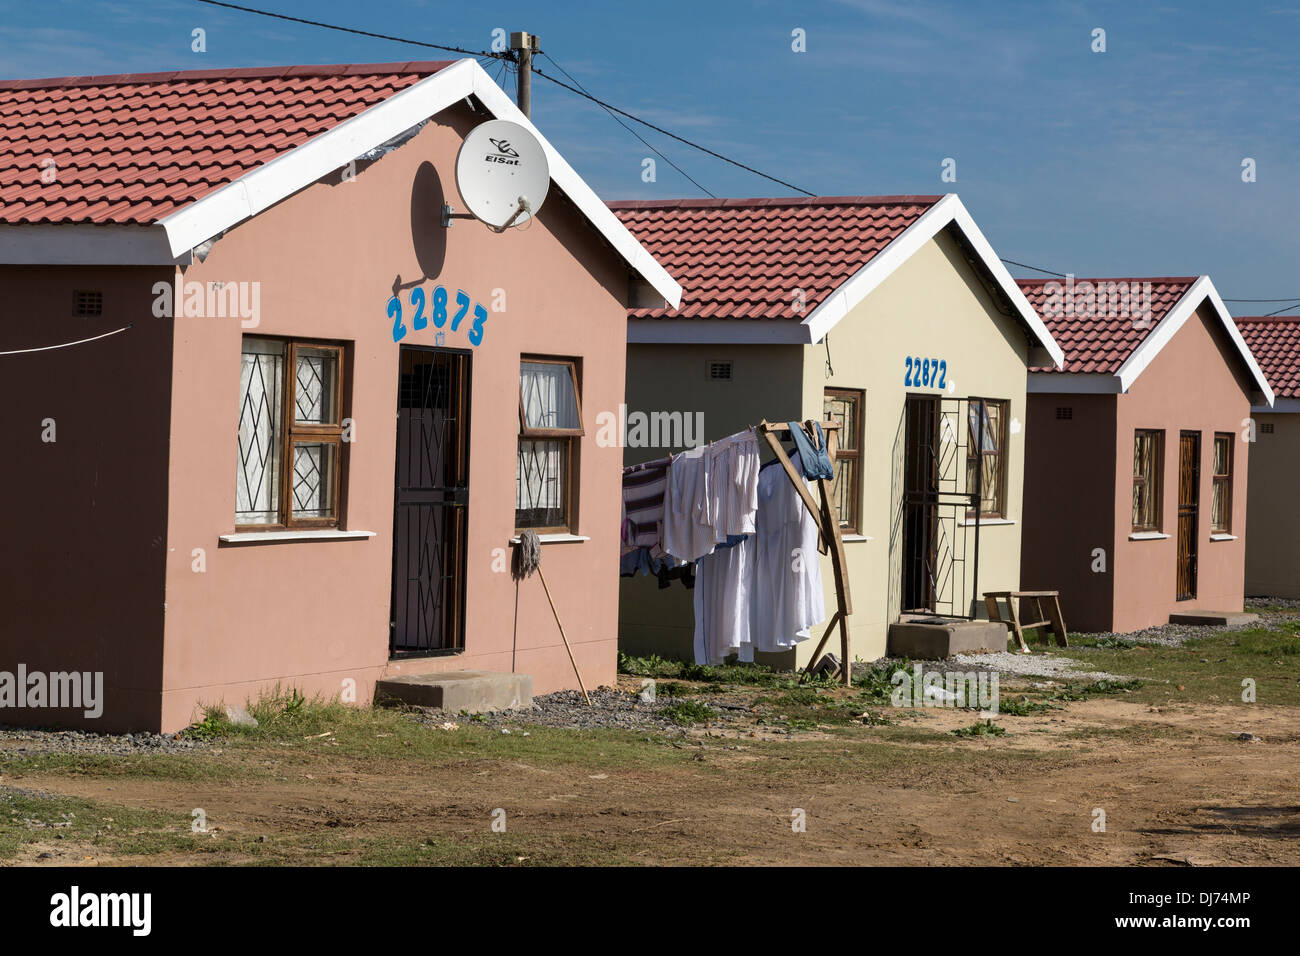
pixel 926 373
pixel 440 311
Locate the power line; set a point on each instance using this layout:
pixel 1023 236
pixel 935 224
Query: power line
pixel 64 345
pixel 364 33
pixel 506 56
pixel 1295 300
pixel 614 116
pixel 1278 312
pixel 680 139
pixel 1012 262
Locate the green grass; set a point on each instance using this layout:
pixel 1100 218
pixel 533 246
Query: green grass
pixel 981 728
pixel 752 675
pixel 1207 669
pixel 35 818
pixel 687 712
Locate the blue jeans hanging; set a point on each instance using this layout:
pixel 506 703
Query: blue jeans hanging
pixel 816 462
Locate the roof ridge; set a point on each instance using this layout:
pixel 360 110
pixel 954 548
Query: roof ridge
pixel 1077 279
pixel 233 73
pixel 740 202
pixel 1266 318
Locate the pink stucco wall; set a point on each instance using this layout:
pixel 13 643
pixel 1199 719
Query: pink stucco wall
pixel 1196 383
pixel 314 614
pixel 1079 486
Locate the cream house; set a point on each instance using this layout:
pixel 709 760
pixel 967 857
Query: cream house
pixel 892 315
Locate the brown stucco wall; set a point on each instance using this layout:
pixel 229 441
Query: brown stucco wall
pixel 1070 505
pixel 81 574
pixel 1272 529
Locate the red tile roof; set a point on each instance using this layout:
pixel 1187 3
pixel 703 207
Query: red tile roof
pixel 136 147
pixel 1274 340
pixel 1098 339
pixel 744 258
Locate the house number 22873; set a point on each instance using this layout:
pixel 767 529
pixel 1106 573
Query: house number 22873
pixel 926 373
pixel 440 311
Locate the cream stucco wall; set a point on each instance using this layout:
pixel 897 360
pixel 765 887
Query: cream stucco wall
pixel 1272 531
pixel 933 306
pixel 765 383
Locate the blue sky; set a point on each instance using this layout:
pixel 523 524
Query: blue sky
pixel 1126 162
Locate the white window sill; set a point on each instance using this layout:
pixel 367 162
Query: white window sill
pixel 555 538
pixel 271 537
pixel 1223 537
pixel 985 522
pixel 1147 536
pixel 855 537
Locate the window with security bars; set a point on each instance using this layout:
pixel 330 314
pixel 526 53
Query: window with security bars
pixel 1148 458
pixel 844 405
pixel 290 434
pixel 1221 504
pixel 986 460
pixel 550 426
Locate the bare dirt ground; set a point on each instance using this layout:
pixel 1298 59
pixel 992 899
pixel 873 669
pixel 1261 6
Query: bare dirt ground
pixel 1176 786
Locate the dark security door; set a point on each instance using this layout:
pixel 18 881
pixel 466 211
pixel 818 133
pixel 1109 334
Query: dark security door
pixel 432 495
pixel 1189 502
pixel 920 501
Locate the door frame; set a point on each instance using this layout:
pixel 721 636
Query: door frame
pixel 923 501
pixel 455 501
pixel 1187 553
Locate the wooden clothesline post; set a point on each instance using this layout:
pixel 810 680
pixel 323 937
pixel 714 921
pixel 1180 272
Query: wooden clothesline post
pixel 828 524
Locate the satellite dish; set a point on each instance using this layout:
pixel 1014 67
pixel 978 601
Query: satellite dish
pixel 502 174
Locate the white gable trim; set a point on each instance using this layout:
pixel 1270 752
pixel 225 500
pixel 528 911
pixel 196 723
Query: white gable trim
pixel 300 167
pixel 947 211
pixel 1202 290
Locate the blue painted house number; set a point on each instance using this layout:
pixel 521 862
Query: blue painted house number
pixel 439 314
pixel 925 373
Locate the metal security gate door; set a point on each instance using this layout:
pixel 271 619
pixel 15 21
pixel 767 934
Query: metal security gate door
pixel 1189 502
pixel 940 504
pixel 432 494
pixel 920 501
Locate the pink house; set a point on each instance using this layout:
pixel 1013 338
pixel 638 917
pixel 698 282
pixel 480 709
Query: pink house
pixel 270 418
pixel 1137 452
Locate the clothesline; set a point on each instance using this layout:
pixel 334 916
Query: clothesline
pixel 751 535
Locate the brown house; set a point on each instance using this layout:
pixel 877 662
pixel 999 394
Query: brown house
pixel 264 403
pixel 1137 452
pixel 1273 526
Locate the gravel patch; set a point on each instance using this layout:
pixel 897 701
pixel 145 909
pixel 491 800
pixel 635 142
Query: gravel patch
pixel 27 742
pixel 610 708
pixel 1031 665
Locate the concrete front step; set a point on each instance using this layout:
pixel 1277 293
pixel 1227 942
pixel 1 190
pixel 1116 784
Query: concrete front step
pixel 925 638
pixel 1198 616
pixel 455 691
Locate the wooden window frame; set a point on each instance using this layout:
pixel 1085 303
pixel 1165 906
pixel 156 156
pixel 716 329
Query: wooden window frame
pixel 1003 431
pixel 292 431
pixel 859 397
pixel 1156 480
pixel 570 436
pixel 1226 479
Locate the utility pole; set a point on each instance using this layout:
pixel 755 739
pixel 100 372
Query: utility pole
pixel 526 44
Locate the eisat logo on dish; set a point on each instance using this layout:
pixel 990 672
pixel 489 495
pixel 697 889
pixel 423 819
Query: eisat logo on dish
pixel 76 909
pixel 505 153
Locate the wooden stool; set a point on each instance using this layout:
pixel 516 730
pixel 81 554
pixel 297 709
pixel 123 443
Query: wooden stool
pixel 1054 619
